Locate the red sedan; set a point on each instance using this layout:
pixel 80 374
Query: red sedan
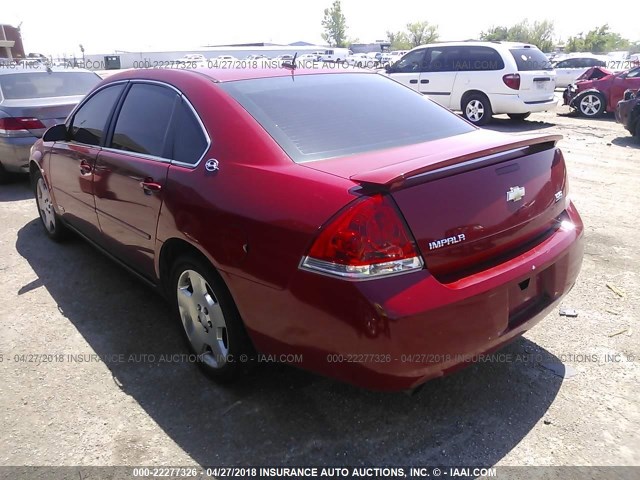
pixel 338 221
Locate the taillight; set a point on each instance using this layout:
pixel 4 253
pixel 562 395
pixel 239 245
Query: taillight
pixel 19 126
pixel 368 239
pixel 512 80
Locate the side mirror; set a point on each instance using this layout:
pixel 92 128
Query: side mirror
pixel 389 68
pixel 628 94
pixel 57 133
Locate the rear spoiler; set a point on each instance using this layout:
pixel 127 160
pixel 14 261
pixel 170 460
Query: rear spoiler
pixel 449 162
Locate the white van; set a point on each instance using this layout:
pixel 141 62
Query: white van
pixel 335 54
pixel 480 78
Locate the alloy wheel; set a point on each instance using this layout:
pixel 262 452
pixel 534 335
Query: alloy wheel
pixel 45 207
pixel 202 319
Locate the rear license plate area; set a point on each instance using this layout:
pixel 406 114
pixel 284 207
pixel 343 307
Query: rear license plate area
pixel 527 297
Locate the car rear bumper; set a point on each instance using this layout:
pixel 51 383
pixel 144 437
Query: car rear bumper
pixel 515 104
pixel 398 332
pixel 14 153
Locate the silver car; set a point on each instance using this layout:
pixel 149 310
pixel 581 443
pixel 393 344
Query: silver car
pixel 31 100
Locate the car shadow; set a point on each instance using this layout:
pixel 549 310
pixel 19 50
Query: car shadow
pixel 627 141
pixel 605 117
pixel 512 126
pixel 277 414
pixel 18 188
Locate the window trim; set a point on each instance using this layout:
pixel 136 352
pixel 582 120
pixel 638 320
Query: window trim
pixel 115 113
pixel 69 121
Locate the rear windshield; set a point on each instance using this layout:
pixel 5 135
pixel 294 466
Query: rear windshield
pixel 15 86
pixel 320 116
pixel 528 59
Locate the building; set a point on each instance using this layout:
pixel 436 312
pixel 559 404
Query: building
pixel 377 46
pixel 11 42
pixel 120 59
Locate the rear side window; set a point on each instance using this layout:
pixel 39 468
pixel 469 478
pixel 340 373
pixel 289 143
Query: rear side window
pixel 320 116
pixel 528 59
pixel 483 59
pixel 189 142
pixel 463 59
pixel 89 122
pixel 143 121
pixel 17 86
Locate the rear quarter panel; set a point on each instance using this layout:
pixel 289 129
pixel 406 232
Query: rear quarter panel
pixel 256 216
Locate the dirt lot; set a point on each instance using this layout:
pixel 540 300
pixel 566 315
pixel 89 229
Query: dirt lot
pixel 573 402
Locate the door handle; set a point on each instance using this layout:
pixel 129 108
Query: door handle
pixel 413 81
pixel 85 167
pixel 424 80
pixel 149 186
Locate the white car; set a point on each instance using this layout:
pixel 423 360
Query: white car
pixel 568 69
pixel 193 57
pixel 359 60
pixel 335 54
pixel 480 78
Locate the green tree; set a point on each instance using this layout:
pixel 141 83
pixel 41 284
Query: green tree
pixel 598 40
pixel 539 34
pixel 398 40
pixel 335 26
pixel 421 33
pixel 495 34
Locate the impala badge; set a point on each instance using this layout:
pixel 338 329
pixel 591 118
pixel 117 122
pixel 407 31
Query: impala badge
pixel 515 194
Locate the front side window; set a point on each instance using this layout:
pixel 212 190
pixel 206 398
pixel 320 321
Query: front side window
pixel 143 122
pixel 89 122
pixel 410 63
pixel 635 73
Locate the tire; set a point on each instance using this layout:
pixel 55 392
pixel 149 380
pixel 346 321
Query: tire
pixel 518 117
pixel 591 104
pixel 476 108
pixel 4 175
pixel 53 225
pixel 210 321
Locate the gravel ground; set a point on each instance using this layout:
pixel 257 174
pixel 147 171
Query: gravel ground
pixel 567 396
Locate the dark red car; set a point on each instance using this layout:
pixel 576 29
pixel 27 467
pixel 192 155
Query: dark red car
pixel 591 98
pixel 335 220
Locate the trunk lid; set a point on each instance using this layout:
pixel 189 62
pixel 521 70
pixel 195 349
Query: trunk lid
pixel 50 111
pixel 473 203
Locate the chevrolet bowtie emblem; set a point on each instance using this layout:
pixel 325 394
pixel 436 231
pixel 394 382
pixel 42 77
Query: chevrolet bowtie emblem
pixel 515 194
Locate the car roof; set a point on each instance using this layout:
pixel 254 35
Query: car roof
pixel 476 43
pixel 8 70
pixel 221 75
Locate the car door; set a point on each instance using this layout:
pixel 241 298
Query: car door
pixel 131 171
pixel 476 67
pixel 72 162
pixel 407 70
pixel 630 80
pixel 439 73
